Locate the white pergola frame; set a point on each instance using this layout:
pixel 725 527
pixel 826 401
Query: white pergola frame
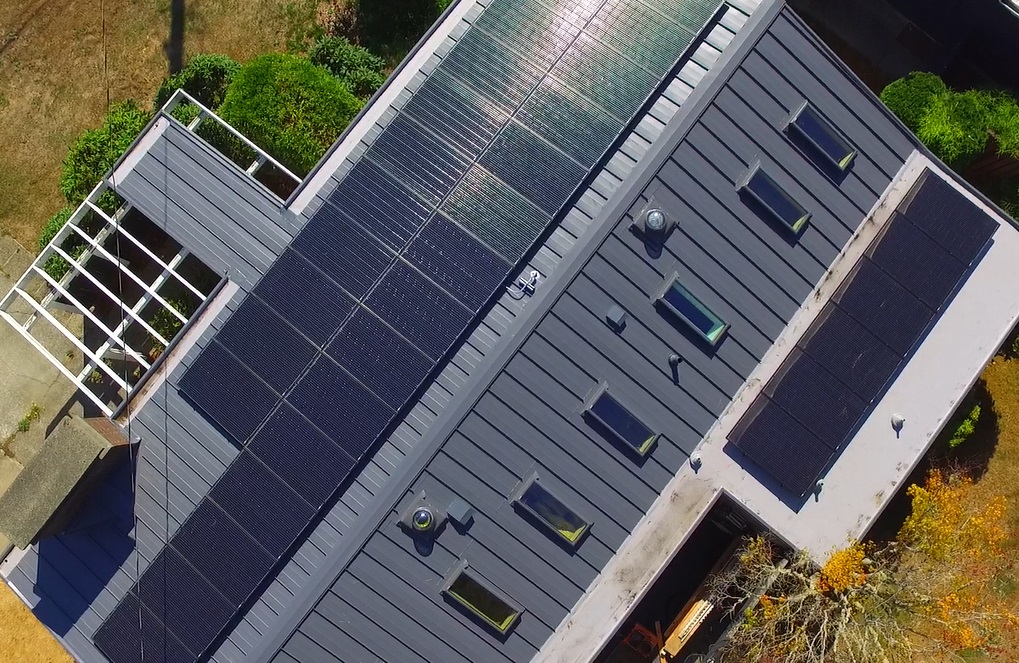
pixel 115 347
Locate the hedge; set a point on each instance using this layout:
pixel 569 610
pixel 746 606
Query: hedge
pixel 206 78
pixel 910 96
pixel 289 107
pixel 96 150
pixel 356 67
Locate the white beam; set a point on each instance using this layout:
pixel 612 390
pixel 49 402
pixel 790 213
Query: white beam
pixel 53 360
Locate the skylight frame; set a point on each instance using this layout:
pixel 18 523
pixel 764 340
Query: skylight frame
pixel 714 335
pixel 806 113
pixel 602 391
pixel 533 484
pixel 463 572
pixel 757 179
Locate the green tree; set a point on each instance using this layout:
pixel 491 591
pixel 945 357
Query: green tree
pixel 910 96
pixel 955 125
pixel 288 106
pixel 96 150
pixel 205 78
pixel 358 68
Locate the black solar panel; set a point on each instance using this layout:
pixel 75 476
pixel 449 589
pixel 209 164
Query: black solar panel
pixel 816 399
pixel 917 263
pixel 569 121
pixel 212 383
pixel 430 179
pixel 126 637
pixel 378 202
pixel 261 340
pixel 597 72
pixel 300 293
pixel 884 307
pixel 847 350
pixel 340 406
pixel 781 446
pixel 530 29
pixel 937 208
pixel 499 216
pixel 304 458
pixel 645 35
pixel 488 67
pixel 417 309
pixel 347 253
pixel 222 552
pixel 194 624
pixel 455 113
pixel 541 173
pixel 448 255
pixel 258 500
pixel 380 359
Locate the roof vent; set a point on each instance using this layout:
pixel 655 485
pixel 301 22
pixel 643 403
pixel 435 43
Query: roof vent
pixel 655 225
pixel 422 519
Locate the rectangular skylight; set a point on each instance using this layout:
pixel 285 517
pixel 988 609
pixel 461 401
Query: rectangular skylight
pixel 481 599
pixel 685 306
pixel 822 136
pixel 549 510
pixel 620 422
pixel 775 200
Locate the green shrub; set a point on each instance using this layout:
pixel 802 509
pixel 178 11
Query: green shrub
pixel 166 323
pixel 442 5
pixel 910 96
pixel 289 107
pixel 965 428
pixel 955 125
pixel 1003 121
pixel 357 68
pixel 96 150
pixel 205 77
pixel 53 226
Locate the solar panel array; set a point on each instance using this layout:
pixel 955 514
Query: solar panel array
pixel 841 367
pixel 308 373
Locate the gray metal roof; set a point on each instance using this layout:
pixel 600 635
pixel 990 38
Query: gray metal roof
pixel 521 411
pixel 237 227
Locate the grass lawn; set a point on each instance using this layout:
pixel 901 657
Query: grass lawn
pixel 52 85
pixel 23 638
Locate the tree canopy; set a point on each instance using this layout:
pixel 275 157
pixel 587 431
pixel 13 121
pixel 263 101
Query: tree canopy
pixel 917 598
pixel 291 108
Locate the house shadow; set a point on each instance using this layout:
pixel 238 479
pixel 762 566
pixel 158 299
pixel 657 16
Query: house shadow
pixel 71 570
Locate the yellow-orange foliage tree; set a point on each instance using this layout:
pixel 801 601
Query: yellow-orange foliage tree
pixel 918 598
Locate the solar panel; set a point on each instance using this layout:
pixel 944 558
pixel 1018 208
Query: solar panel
pixel 488 67
pixel 499 216
pixel 267 509
pixel 304 458
pixel 300 293
pixel 123 640
pixel 432 178
pixel 781 446
pixel 569 121
pixel 380 359
pixel 263 341
pixel 543 174
pixel 195 624
pixel 944 213
pixel 846 349
pixel 646 36
pixel 884 307
pixel 340 406
pixel 914 260
pixel 538 35
pixel 345 251
pixel 211 383
pixel 222 552
pixel 417 309
pixel 597 72
pixel 816 399
pixel 455 113
pixel 448 255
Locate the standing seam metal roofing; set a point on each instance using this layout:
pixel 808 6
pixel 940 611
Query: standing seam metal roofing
pixel 190 190
pixel 521 410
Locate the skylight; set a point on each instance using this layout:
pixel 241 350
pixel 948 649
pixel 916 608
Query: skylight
pixel 694 314
pixel 550 511
pixel 823 137
pixel 481 600
pixel 620 422
pixel 775 200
